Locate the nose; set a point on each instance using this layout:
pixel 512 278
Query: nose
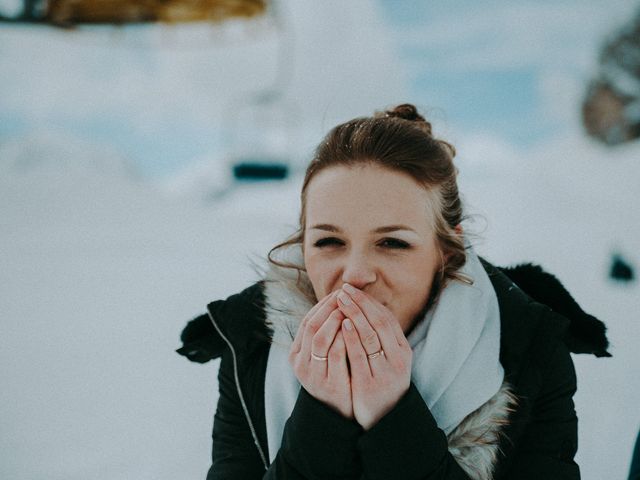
pixel 358 270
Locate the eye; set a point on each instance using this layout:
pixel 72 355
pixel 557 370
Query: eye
pixel 394 243
pixel 323 242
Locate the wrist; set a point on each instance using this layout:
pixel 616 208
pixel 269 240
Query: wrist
pixel 368 423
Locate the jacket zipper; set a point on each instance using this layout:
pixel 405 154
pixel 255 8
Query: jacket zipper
pixel 240 395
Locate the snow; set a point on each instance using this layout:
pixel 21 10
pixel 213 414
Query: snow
pixel 101 268
pixel 569 205
pixel 101 272
pixel 99 275
pixel 168 96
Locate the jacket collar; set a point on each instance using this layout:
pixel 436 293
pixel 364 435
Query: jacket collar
pixel 474 443
pixel 243 316
pixel 247 319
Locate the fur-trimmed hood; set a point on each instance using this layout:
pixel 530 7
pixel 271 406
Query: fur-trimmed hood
pixel 248 318
pixel 474 443
pixel 201 343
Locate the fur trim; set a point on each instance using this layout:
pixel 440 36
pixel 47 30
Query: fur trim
pixel 586 333
pixel 473 443
pixel 288 296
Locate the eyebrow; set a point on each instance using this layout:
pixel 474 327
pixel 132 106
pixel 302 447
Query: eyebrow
pixel 386 229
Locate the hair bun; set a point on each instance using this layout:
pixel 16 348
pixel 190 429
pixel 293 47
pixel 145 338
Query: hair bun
pixel 407 111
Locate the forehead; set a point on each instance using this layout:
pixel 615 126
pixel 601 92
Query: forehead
pixel 366 195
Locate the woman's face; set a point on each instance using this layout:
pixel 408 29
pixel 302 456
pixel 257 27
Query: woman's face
pixel 369 226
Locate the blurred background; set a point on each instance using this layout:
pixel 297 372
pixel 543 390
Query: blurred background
pixel 148 157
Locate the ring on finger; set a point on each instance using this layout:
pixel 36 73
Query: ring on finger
pixel 376 354
pixel 317 357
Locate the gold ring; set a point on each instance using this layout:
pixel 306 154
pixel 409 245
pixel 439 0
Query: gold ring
pixel 376 354
pixel 316 357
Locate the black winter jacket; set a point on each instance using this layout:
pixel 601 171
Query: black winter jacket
pixel 530 434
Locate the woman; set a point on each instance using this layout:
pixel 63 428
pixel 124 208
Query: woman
pixel 379 345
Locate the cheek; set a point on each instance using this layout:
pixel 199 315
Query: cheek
pixel 413 282
pixel 413 271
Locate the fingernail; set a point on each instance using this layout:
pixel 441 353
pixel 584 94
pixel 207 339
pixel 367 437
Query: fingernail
pixel 344 298
pixel 349 289
pixel 347 324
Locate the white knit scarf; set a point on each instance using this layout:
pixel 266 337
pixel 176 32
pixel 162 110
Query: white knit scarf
pixel 456 346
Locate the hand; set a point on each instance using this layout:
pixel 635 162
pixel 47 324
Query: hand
pixel 320 333
pixel 377 384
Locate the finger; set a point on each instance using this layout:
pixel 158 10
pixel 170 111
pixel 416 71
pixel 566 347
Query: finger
pixel 367 302
pixel 314 323
pixel 391 320
pixel 360 367
pixel 337 367
pixel 325 336
pixel 297 341
pixel 380 319
pixel 368 336
pixel 309 314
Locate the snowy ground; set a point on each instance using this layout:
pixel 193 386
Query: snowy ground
pixel 100 269
pixel 100 272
